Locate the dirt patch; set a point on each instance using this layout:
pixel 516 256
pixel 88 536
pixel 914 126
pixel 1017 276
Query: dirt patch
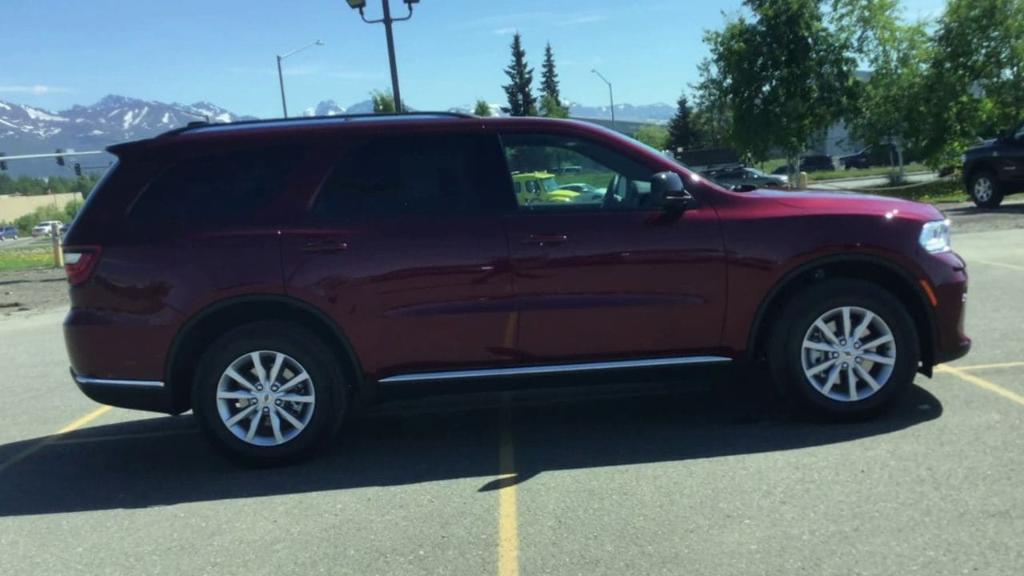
pixel 28 291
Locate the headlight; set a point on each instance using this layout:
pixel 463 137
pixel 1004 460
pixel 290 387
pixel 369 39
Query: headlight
pixel 935 236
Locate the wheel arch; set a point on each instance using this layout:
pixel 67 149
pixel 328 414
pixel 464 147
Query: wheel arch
pixel 868 267
pixel 206 325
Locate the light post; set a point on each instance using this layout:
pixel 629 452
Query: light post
pixel 280 73
pixel 387 20
pixel 611 94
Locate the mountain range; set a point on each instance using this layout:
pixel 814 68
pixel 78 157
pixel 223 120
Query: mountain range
pixel 32 130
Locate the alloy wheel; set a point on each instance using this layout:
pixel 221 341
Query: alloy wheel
pixel 983 189
pixel 265 398
pixel 848 354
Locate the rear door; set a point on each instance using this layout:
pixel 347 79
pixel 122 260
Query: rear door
pixel 403 247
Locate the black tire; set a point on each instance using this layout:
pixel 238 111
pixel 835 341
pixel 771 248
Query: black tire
pixel 785 353
pixel 322 366
pixel 976 185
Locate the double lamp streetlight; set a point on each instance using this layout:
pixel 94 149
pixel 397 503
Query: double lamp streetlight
pixel 387 20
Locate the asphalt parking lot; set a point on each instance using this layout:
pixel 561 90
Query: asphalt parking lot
pixel 611 481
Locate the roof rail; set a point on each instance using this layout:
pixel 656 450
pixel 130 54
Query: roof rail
pixel 204 124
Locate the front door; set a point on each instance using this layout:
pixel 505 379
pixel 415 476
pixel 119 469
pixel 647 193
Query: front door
pixel 599 273
pixel 403 247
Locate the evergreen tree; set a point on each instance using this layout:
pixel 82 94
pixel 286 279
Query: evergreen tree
pixel 682 133
pixel 482 108
pixel 549 76
pixel 521 101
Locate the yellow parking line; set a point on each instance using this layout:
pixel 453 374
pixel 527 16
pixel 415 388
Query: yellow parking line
pixel 54 437
pixel 1000 264
pixel 982 383
pixel 991 366
pixel 508 521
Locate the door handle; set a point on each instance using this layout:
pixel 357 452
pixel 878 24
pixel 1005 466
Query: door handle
pixel 546 240
pixel 324 246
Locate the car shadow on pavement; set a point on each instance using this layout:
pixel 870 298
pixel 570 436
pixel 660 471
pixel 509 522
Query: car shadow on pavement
pixel 164 461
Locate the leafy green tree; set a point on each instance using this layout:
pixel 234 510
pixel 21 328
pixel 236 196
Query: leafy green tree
pixel 655 136
pixel 482 108
pixel 383 102
pixel 888 109
pixel 519 90
pixel 550 107
pixel 784 75
pixel 682 134
pixel 549 76
pixel 975 82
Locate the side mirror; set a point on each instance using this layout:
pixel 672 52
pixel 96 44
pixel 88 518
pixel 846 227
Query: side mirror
pixel 667 189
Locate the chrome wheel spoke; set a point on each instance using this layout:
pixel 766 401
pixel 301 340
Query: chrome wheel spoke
pixel 879 359
pixel 851 381
pixel 863 326
pixel 866 376
pixel 240 416
pixel 821 367
pixel 877 342
pixel 819 346
pixel 275 424
pixel 257 365
pixel 254 424
pixel 846 323
pixel 833 377
pixel 293 383
pixel 291 419
pixel 827 332
pixel 276 368
pixel 239 395
pixel 297 398
pixel 241 380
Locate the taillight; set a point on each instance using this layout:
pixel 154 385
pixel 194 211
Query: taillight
pixel 79 263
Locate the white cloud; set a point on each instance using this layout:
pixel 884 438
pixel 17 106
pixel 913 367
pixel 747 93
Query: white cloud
pixel 34 89
pixel 507 31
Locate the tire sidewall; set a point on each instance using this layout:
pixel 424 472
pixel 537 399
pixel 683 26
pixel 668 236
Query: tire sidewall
pixel 307 350
pixel 809 306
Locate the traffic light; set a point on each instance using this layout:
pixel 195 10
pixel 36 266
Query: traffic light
pixel 78 169
pixel 60 159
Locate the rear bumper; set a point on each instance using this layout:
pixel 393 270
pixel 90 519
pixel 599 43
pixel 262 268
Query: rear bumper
pixel 135 394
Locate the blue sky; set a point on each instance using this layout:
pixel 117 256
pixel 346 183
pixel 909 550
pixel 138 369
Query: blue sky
pixel 55 53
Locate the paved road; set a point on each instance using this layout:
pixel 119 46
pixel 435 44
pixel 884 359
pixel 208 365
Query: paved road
pixel 544 483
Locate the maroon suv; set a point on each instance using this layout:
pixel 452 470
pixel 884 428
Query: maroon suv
pixel 271 275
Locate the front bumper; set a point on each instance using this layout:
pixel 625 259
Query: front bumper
pixel 949 282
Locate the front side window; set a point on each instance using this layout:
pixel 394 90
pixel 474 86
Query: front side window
pixel 566 173
pixel 428 175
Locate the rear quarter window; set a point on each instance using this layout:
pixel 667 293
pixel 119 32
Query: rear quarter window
pixel 215 192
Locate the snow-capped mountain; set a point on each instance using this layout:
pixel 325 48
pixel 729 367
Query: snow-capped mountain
pixel 659 113
pixel 325 108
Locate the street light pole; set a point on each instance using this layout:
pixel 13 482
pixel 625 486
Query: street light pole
pixel 611 93
pixel 387 20
pixel 280 72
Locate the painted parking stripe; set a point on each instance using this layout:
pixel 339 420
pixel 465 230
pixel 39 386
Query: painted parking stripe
pixel 508 516
pixel 79 423
pixel 982 383
pixel 990 366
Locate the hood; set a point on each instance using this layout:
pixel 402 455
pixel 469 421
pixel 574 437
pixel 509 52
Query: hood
pixel 841 202
pixel 983 145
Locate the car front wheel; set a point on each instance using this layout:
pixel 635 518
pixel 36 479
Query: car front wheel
pixel 847 348
pixel 268 393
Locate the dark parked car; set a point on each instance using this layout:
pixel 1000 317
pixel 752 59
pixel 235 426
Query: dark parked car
pixel 817 163
pixel 745 179
pixel 8 233
pixel 995 169
pixel 273 275
pixel 870 156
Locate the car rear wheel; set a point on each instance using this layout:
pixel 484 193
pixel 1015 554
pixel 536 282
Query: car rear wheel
pixel 268 393
pixel 847 348
pixel 984 190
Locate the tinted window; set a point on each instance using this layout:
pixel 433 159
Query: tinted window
pixel 215 192
pixel 558 173
pixel 418 174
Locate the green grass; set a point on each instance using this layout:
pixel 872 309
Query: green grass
pixel 771 165
pixel 25 259
pixel 945 190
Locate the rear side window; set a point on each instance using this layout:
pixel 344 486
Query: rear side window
pixel 215 192
pixel 431 175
